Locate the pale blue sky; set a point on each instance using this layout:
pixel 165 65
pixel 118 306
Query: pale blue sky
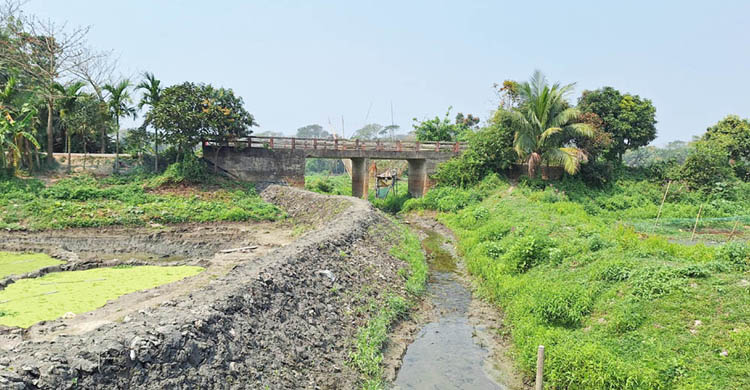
pixel 302 62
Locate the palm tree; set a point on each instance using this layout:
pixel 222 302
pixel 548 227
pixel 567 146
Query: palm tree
pixel 151 95
pixel 543 122
pixel 119 103
pixel 67 102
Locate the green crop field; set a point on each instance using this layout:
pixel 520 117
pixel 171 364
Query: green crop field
pixel 29 301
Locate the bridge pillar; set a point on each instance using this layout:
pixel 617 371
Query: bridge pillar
pixel 360 177
pixel 417 178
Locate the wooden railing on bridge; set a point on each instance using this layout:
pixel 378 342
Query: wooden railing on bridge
pixel 292 143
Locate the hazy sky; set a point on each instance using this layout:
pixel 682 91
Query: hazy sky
pixel 302 62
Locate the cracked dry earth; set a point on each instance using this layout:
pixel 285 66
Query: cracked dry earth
pixel 282 315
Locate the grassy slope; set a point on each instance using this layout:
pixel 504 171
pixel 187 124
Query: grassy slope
pixel 82 201
pixel 79 291
pixel 21 263
pixel 616 309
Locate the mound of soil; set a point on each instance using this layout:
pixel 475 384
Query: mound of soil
pixel 285 320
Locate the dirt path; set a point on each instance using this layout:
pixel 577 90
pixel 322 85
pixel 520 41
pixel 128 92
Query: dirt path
pixel 455 343
pixel 192 244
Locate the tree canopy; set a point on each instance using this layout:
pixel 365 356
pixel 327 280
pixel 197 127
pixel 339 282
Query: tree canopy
pixel 629 119
pixel 191 112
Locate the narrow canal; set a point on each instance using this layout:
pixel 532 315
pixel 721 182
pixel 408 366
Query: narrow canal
pixel 449 352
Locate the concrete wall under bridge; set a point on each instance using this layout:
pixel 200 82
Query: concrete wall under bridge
pixel 280 160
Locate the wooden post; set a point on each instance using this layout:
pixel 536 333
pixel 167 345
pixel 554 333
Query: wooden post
pixel 540 368
pixel 697 217
pixel 356 144
pixel 417 146
pixel 315 143
pixel 437 146
pixel 656 224
pixel 270 143
pixel 336 144
pixel 293 139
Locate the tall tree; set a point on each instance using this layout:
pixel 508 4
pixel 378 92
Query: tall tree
pixel 543 122
pixel 151 87
pixel 628 118
pixel 67 102
pixel 733 135
pixel 188 113
pixel 120 105
pixel 46 53
pixel 88 115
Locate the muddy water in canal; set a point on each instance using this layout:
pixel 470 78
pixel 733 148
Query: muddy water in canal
pixel 446 353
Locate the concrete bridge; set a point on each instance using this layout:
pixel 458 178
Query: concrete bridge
pixel 282 159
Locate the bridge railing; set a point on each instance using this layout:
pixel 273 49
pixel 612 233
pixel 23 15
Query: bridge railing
pixel 293 143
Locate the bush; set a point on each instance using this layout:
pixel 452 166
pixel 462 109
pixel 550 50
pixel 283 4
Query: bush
pixel 526 252
pixel 562 304
pixel 736 254
pixel 707 165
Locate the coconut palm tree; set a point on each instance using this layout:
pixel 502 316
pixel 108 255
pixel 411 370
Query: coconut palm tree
pixel 66 103
pixel 119 102
pixel 543 122
pixel 151 87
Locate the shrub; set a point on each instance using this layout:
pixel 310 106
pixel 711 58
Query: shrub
pixel 562 304
pixel 736 254
pixel 526 252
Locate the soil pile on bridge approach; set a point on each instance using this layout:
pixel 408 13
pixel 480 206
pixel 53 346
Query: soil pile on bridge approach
pixel 285 320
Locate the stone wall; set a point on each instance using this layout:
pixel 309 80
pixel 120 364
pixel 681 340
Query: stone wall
pixel 260 166
pixel 97 164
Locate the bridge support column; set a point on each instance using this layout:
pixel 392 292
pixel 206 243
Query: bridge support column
pixel 360 177
pixel 417 178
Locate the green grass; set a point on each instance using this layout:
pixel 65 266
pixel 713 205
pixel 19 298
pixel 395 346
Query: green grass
pixel 367 357
pixel 22 263
pixel 615 308
pixel 331 185
pixel 83 201
pixel 29 301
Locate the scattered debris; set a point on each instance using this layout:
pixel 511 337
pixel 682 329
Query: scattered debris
pixel 243 249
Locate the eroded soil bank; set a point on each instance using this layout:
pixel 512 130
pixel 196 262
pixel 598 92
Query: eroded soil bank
pixel 283 319
pixel 458 344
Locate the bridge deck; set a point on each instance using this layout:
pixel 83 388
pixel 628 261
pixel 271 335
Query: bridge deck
pixel 348 148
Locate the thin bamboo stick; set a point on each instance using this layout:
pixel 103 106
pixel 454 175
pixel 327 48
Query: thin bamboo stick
pixel 697 217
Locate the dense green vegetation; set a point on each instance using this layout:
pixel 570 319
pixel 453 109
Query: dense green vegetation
pixel 368 354
pixel 21 263
pixel 56 93
pixel 77 292
pixel 85 201
pixel 616 308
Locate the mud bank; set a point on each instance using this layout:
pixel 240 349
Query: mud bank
pixel 283 320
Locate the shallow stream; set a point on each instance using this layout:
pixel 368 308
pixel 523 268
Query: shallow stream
pixel 446 353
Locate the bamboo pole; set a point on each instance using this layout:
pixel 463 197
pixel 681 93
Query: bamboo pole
pixel 664 198
pixel 734 229
pixel 540 368
pixel 697 217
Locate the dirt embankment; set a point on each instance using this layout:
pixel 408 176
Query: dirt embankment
pixel 282 320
